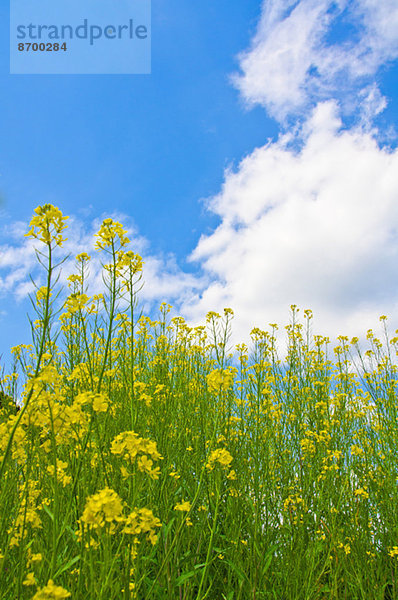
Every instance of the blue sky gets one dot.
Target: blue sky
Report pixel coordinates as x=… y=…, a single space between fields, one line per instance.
x=256 y=165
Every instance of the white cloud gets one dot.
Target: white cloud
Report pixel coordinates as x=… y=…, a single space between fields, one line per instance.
x=311 y=219
x=16 y=262
x=292 y=65
x=316 y=227
x=163 y=278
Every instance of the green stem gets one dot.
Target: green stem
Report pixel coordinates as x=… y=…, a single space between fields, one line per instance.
x=46 y=321
x=210 y=547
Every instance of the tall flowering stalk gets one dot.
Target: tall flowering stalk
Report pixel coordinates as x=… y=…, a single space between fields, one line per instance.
x=111 y=238
x=46 y=226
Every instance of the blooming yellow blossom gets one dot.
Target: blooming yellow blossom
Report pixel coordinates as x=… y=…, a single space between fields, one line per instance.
x=83 y=257
x=361 y=492
x=141 y=521
x=130 y=446
x=51 y=592
x=183 y=506
x=47 y=225
x=220 y=379
x=101 y=508
x=29 y=579
x=109 y=231
x=356 y=450
x=221 y=456
x=100 y=403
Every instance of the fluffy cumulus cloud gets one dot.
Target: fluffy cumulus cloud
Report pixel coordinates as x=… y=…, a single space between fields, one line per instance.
x=311 y=50
x=312 y=218
x=316 y=227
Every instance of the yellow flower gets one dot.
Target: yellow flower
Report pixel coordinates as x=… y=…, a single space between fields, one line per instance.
x=103 y=507
x=47 y=224
x=51 y=592
x=30 y=579
x=346 y=547
x=356 y=450
x=34 y=557
x=130 y=261
x=100 y=403
x=394 y=552
x=109 y=231
x=128 y=444
x=220 y=379
x=145 y=465
x=184 y=506
x=142 y=521
x=41 y=295
x=221 y=456
x=61 y=475
x=361 y=492
x=124 y=472
x=76 y=302
x=83 y=257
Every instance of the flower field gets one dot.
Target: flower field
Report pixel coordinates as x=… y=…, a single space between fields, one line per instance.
x=149 y=460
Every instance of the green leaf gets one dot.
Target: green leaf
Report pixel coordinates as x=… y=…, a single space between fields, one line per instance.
x=68 y=565
x=46 y=510
x=184 y=577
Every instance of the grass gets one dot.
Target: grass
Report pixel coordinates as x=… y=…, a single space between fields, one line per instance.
x=147 y=461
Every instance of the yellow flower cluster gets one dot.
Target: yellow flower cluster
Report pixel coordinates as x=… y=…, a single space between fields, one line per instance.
x=47 y=225
x=393 y=552
x=76 y=302
x=105 y=509
x=50 y=412
x=108 y=233
x=142 y=521
x=41 y=295
x=83 y=257
x=362 y=493
x=130 y=445
x=101 y=508
x=220 y=456
x=357 y=451
x=51 y=592
x=62 y=477
x=220 y=379
x=130 y=261
x=346 y=547
x=98 y=401
x=295 y=505
x=29 y=579
x=27 y=517
x=183 y=506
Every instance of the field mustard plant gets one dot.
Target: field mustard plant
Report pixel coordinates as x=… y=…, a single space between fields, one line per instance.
x=144 y=458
